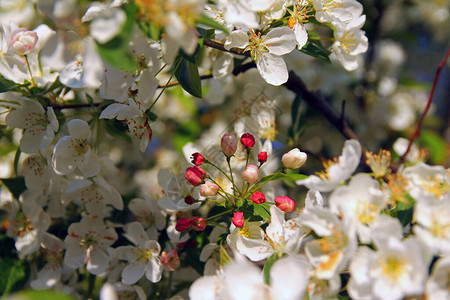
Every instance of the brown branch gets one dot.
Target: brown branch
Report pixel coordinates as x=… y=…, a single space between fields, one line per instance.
x=316 y=100
x=422 y=118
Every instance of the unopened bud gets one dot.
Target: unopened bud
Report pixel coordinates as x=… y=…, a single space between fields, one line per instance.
x=195 y=175
x=229 y=144
x=197 y=159
x=199 y=224
x=262 y=157
x=189 y=200
x=258 y=198
x=23 y=41
x=183 y=224
x=209 y=188
x=285 y=203
x=250 y=174
x=294 y=159
x=248 y=141
x=238 y=219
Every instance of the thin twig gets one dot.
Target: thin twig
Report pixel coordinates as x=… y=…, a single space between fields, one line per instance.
x=316 y=100
x=422 y=118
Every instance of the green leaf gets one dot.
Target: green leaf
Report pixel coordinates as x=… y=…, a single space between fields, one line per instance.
x=116 y=52
x=316 y=49
x=6 y=85
x=15 y=185
x=436 y=145
x=13 y=274
x=117 y=129
x=405 y=216
x=40 y=295
x=262 y=210
x=268 y=266
x=187 y=75
x=207 y=21
x=283 y=176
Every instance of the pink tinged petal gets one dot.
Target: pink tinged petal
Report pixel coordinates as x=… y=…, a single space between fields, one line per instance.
x=289 y=278
x=272 y=68
x=280 y=40
x=132 y=273
x=97 y=261
x=153 y=270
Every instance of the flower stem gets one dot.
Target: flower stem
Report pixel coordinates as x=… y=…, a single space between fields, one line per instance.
x=29 y=70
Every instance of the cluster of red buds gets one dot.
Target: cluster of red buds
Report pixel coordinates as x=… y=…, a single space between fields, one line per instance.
x=229 y=143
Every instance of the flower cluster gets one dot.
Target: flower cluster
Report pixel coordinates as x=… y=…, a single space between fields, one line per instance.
x=158 y=149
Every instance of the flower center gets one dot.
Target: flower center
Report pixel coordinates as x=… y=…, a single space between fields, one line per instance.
x=257 y=45
x=22 y=226
x=144 y=255
x=366 y=212
x=327 y=163
x=379 y=163
x=393 y=267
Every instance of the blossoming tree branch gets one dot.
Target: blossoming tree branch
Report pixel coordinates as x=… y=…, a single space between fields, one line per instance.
x=173 y=149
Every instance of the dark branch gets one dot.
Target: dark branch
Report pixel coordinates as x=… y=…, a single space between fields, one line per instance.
x=422 y=118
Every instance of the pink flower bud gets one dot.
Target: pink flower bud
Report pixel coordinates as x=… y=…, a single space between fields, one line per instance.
x=258 y=198
x=23 y=40
x=294 y=159
x=195 y=175
x=285 y=203
x=238 y=219
x=248 y=141
x=209 y=188
x=199 y=224
x=262 y=157
x=250 y=174
x=189 y=200
x=170 y=260
x=183 y=224
x=229 y=144
x=197 y=159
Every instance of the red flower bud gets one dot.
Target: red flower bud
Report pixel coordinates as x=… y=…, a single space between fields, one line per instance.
x=197 y=159
x=195 y=175
x=262 y=157
x=183 y=224
x=189 y=200
x=248 y=141
x=285 y=203
x=228 y=144
x=238 y=219
x=199 y=224
x=258 y=198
